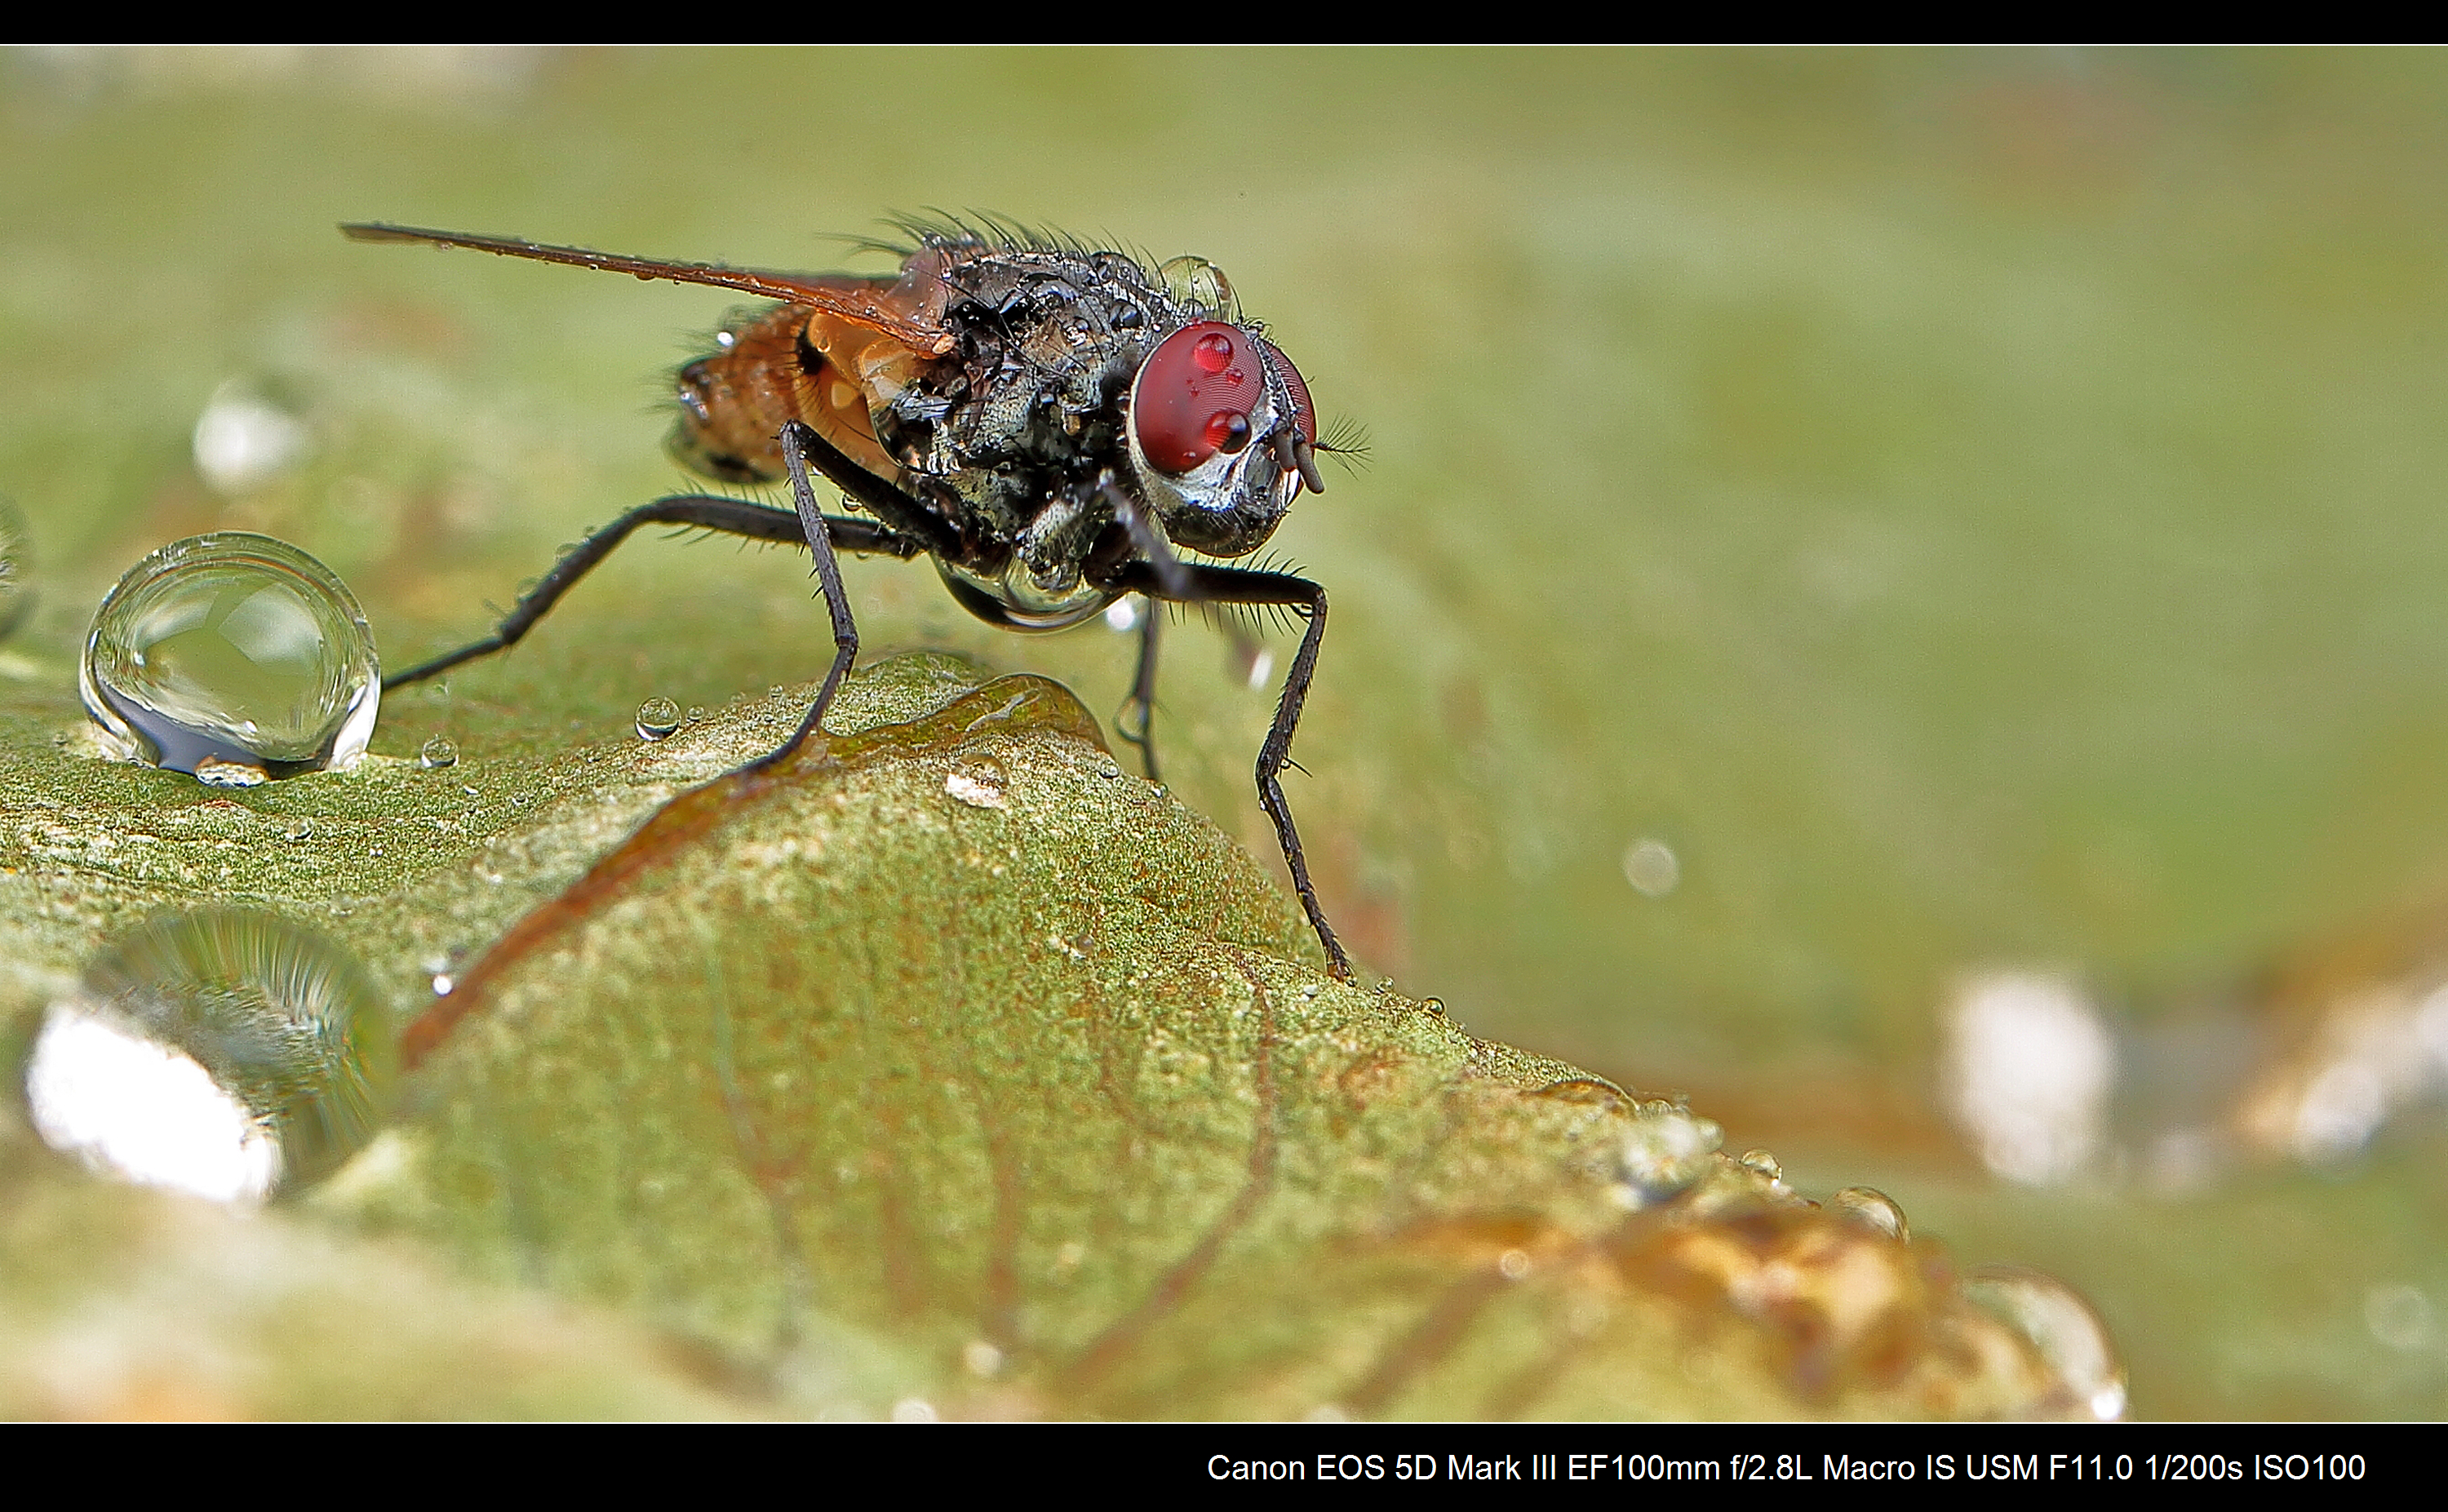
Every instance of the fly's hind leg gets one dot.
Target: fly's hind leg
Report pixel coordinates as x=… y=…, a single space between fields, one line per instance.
x=1204 y=585
x=754 y=522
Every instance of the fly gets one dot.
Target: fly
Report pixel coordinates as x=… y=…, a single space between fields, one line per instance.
x=1052 y=424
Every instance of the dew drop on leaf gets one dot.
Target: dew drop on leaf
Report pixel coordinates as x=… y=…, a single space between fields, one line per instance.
x=225 y=1052
x=658 y=719
x=2061 y=1325
x=236 y=657
x=1868 y=1205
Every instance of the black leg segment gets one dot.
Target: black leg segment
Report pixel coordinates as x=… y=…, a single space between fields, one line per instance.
x=1136 y=722
x=798 y=439
x=755 y=522
x=1240 y=585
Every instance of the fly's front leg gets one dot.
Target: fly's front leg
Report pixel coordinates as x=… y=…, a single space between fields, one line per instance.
x=1239 y=585
x=754 y=522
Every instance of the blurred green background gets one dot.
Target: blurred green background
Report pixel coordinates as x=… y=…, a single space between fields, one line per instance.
x=1975 y=509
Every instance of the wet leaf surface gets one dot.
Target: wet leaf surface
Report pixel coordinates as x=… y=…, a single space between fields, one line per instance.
x=945 y=1064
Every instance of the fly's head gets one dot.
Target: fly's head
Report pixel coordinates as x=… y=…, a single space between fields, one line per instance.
x=1221 y=436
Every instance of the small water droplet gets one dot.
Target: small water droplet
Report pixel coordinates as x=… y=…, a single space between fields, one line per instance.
x=1764 y=1162
x=234 y=649
x=437 y=752
x=1108 y=768
x=1197 y=284
x=1652 y=868
x=1435 y=1006
x=658 y=719
x=2400 y=1316
x=2061 y=1325
x=1666 y=1150
x=696 y=712
x=223 y=1052
x=1385 y=985
x=242 y=442
x=1868 y=1205
x=978 y=783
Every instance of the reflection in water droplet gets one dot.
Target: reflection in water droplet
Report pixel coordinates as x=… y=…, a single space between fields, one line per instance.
x=1666 y=1150
x=978 y=783
x=1868 y=1204
x=1652 y=868
x=657 y=718
x=2062 y=1328
x=214 y=773
x=1764 y=1162
x=16 y=595
x=437 y=752
x=144 y=1111
x=220 y=1052
x=233 y=650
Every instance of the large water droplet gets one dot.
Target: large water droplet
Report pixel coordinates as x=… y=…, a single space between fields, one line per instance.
x=221 y=1052
x=439 y=752
x=2063 y=1328
x=16 y=593
x=658 y=719
x=234 y=656
x=1764 y=1162
x=1871 y=1206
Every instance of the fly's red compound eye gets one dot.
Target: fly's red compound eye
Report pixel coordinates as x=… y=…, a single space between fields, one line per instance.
x=1195 y=393
x=1304 y=413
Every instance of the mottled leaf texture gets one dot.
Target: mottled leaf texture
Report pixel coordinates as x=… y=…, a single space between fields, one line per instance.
x=952 y=1065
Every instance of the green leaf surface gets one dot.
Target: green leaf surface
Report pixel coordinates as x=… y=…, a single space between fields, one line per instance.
x=948 y=1067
